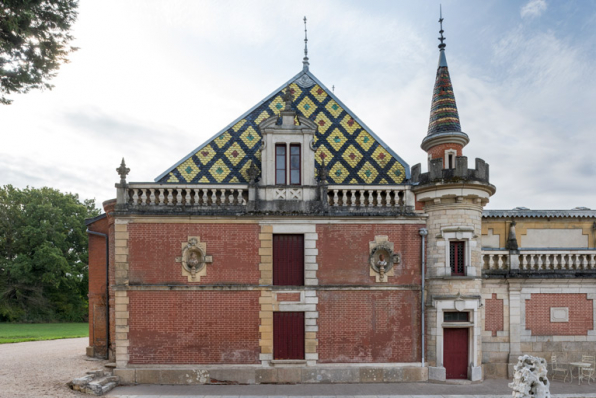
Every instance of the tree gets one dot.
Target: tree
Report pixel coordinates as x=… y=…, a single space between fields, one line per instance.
x=43 y=255
x=34 y=42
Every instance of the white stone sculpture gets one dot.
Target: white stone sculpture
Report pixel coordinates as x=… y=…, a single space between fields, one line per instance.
x=530 y=378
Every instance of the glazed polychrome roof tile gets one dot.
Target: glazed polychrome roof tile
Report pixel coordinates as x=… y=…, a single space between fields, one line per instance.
x=352 y=153
x=443 y=113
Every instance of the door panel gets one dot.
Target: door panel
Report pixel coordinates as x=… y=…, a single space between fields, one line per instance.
x=288 y=335
x=288 y=260
x=455 y=352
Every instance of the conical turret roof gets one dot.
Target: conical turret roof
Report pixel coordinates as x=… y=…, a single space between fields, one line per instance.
x=444 y=117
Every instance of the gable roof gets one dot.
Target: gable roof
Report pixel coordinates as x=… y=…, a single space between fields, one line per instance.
x=353 y=153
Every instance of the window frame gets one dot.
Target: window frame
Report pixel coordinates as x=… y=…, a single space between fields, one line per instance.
x=299 y=169
x=284 y=164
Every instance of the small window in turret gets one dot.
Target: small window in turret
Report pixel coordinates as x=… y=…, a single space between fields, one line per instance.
x=457 y=257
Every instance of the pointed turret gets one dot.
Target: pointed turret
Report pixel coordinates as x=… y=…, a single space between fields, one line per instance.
x=444 y=128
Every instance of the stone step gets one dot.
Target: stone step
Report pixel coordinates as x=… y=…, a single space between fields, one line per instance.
x=95 y=382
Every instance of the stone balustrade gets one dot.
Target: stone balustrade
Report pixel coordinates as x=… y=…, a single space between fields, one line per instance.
x=186 y=195
x=541 y=260
x=366 y=196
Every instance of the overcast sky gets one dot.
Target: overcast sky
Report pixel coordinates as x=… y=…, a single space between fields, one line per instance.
x=155 y=79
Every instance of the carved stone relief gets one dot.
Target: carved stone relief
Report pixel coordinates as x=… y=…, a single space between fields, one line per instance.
x=194 y=259
x=382 y=258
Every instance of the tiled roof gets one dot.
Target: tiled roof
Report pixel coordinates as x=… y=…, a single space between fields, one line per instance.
x=527 y=213
x=351 y=151
x=444 y=117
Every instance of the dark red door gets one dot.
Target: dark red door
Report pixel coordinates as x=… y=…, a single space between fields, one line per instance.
x=288 y=335
x=288 y=260
x=455 y=352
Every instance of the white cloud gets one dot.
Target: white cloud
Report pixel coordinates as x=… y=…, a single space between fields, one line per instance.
x=534 y=8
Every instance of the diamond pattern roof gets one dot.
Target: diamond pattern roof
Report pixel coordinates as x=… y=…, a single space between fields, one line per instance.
x=351 y=151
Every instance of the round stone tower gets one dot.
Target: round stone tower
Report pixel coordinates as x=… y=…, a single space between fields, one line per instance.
x=453 y=197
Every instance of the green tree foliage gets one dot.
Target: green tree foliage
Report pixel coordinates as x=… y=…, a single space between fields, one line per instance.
x=43 y=255
x=34 y=41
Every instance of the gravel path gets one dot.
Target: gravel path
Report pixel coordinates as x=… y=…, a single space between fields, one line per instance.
x=42 y=368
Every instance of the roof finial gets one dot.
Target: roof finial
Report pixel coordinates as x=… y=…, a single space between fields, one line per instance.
x=442 y=45
x=305 y=59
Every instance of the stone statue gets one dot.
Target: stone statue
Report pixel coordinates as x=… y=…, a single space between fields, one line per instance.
x=512 y=239
x=530 y=378
x=382 y=263
x=193 y=262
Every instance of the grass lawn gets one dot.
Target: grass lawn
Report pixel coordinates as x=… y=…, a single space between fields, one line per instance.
x=17 y=332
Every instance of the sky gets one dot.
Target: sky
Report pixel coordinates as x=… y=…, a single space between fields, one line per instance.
x=153 y=80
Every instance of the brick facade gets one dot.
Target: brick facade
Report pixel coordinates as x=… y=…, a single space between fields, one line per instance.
x=154 y=248
x=369 y=326
x=493 y=315
x=344 y=250
x=438 y=151
x=194 y=327
x=538 y=314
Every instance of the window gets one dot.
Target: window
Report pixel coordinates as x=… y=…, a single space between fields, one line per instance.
x=295 y=164
x=280 y=164
x=455 y=317
x=457 y=257
x=288 y=335
x=288 y=260
x=450 y=155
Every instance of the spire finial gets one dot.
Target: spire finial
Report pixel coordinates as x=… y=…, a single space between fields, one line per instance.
x=305 y=59
x=442 y=39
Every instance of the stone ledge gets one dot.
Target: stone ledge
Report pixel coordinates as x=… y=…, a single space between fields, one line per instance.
x=260 y=375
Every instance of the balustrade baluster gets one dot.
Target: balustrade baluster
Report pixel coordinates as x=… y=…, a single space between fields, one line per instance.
x=344 y=197
x=213 y=197
x=222 y=197
x=353 y=198
x=563 y=262
x=152 y=196
x=539 y=261
x=584 y=262
x=362 y=198
x=187 y=197
x=379 y=200
x=135 y=196
x=555 y=262
x=205 y=197
x=524 y=261
x=162 y=198
x=335 y=198
x=170 y=196
x=371 y=199
x=547 y=261
x=197 y=198
x=491 y=261
x=144 y=197
x=179 y=196
x=241 y=200
x=231 y=197
x=592 y=261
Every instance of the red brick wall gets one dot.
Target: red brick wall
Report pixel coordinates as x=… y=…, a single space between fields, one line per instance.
x=97 y=286
x=581 y=314
x=194 y=327
x=344 y=250
x=369 y=326
x=288 y=296
x=153 y=249
x=439 y=151
x=493 y=315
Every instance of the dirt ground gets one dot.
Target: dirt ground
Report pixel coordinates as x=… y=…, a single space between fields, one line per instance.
x=42 y=368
